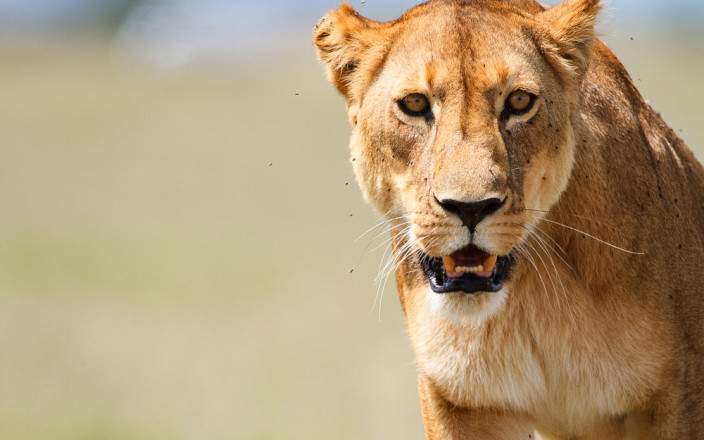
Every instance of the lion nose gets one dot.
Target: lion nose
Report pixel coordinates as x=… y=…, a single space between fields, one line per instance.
x=472 y=213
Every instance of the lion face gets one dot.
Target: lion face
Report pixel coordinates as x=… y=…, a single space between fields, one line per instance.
x=462 y=118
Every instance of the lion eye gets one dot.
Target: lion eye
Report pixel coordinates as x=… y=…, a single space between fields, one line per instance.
x=520 y=102
x=415 y=104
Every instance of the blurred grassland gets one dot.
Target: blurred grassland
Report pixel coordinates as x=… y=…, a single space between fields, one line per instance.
x=176 y=249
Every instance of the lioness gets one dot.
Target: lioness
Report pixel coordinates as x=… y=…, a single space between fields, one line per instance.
x=548 y=223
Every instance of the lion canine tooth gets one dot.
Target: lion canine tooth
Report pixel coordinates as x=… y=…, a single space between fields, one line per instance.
x=489 y=264
x=449 y=263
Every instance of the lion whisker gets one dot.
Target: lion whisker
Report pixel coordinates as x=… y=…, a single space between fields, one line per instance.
x=392 y=236
x=597 y=239
x=526 y=253
x=582 y=217
x=390 y=266
x=565 y=295
x=542 y=261
x=381 y=223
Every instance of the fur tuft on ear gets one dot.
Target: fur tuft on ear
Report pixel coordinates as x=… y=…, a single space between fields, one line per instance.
x=570 y=29
x=344 y=39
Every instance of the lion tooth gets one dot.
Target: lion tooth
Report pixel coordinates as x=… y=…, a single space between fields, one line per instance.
x=450 y=264
x=489 y=263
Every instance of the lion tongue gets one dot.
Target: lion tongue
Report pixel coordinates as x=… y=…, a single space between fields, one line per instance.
x=469 y=260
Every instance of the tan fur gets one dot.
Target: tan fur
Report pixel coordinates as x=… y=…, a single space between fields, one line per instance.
x=586 y=341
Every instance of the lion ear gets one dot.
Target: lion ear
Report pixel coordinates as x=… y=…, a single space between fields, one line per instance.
x=570 y=28
x=344 y=40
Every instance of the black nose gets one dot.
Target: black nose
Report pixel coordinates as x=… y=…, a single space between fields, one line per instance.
x=471 y=213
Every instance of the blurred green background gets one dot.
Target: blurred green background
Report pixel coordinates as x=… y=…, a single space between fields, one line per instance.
x=178 y=253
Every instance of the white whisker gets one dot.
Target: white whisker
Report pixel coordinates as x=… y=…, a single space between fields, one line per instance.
x=383 y=222
x=524 y=252
x=611 y=245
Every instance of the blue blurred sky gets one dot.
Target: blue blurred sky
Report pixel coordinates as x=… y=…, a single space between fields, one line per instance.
x=42 y=13
x=177 y=32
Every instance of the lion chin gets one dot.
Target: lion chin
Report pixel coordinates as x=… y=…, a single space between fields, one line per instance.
x=465 y=310
x=546 y=221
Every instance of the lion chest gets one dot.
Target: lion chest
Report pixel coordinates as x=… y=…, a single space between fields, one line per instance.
x=473 y=370
x=512 y=370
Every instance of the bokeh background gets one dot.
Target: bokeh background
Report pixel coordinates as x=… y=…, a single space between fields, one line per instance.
x=178 y=221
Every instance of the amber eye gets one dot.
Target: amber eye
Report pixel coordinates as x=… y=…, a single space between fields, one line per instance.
x=520 y=102
x=415 y=104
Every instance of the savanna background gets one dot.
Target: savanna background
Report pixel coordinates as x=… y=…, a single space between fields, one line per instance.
x=178 y=221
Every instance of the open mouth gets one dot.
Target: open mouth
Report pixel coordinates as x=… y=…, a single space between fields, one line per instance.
x=469 y=270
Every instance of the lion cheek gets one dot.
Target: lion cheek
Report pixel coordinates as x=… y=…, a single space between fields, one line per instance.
x=548 y=174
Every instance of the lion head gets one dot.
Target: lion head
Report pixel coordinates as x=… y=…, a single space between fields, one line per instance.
x=462 y=116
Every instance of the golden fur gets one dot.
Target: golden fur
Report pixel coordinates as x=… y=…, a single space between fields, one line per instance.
x=599 y=332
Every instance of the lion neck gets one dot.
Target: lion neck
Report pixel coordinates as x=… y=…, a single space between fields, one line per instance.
x=616 y=194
